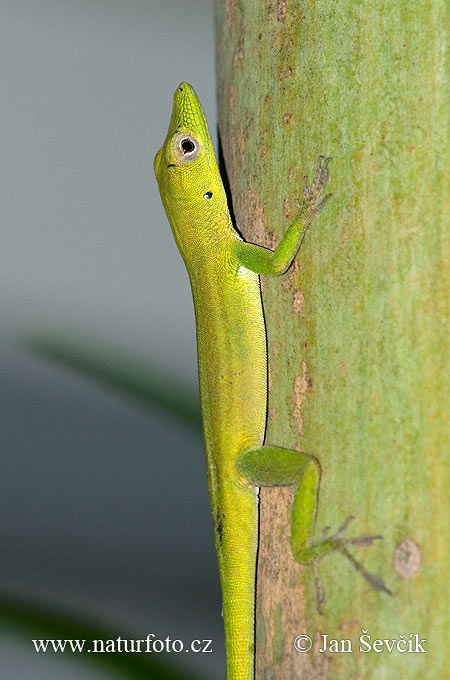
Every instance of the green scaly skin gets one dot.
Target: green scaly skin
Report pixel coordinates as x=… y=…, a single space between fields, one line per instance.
x=232 y=364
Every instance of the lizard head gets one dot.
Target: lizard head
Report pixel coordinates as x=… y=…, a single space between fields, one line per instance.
x=188 y=140
x=188 y=176
x=185 y=166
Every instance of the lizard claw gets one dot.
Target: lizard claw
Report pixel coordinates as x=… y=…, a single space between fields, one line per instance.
x=376 y=582
x=319 y=587
x=344 y=527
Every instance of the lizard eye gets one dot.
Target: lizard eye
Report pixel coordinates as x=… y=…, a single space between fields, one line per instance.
x=208 y=194
x=187 y=146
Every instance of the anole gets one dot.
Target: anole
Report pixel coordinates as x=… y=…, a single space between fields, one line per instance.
x=232 y=365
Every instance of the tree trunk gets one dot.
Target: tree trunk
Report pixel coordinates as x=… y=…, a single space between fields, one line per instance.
x=359 y=328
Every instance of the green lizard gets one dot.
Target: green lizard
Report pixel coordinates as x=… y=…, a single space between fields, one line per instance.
x=232 y=364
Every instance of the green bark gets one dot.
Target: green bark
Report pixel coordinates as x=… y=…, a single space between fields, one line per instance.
x=359 y=328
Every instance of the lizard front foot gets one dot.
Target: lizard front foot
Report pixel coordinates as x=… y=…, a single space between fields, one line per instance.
x=310 y=205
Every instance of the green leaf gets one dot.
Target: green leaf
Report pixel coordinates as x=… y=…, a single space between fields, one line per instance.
x=40 y=621
x=135 y=378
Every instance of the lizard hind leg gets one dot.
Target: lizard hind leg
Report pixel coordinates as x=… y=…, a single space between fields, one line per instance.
x=275 y=466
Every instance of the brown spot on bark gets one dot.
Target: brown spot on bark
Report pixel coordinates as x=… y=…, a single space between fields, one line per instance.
x=298 y=301
x=239 y=53
x=290 y=43
x=288 y=280
x=267 y=99
x=302 y=385
x=250 y=216
x=230 y=14
x=269 y=378
x=289 y=71
x=344 y=235
x=273 y=413
x=281 y=10
x=281 y=605
x=291 y=173
x=287 y=207
x=407 y=558
x=342 y=370
x=280 y=75
x=286 y=119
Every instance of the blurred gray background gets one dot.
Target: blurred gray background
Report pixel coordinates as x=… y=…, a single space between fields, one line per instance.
x=104 y=506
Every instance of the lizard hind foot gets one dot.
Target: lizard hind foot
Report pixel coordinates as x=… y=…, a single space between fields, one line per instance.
x=340 y=545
